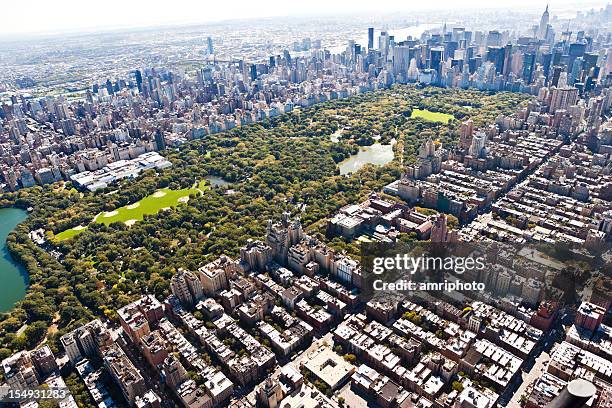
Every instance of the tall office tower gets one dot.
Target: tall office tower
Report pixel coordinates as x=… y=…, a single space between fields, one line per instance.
x=210 y=46
x=450 y=48
x=542 y=29
x=495 y=54
x=507 y=59
x=555 y=75
x=401 y=59
x=562 y=83
x=370 y=38
x=383 y=45
x=494 y=38
x=589 y=62
x=159 y=140
x=563 y=98
x=253 y=72
x=458 y=33
x=436 y=57
x=528 y=67
x=350 y=51
x=413 y=71
x=138 y=75
x=545 y=60
x=477 y=147
x=575 y=50
x=575 y=75
x=467 y=36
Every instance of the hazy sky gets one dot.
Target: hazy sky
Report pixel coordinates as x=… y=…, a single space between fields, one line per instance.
x=43 y=16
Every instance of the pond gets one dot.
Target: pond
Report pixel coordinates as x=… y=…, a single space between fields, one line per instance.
x=217 y=181
x=13 y=275
x=377 y=154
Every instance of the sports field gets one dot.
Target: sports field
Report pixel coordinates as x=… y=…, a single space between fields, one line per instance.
x=431 y=116
x=132 y=213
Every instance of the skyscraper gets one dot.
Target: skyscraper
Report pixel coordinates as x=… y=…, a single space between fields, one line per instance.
x=370 y=38
x=159 y=140
x=436 y=56
x=496 y=55
x=543 y=24
x=210 y=46
x=528 y=67
x=562 y=98
x=138 y=76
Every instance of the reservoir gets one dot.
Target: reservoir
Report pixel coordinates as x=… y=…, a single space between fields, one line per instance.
x=13 y=277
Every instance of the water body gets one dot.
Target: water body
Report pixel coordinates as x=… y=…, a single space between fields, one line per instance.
x=216 y=181
x=377 y=154
x=13 y=277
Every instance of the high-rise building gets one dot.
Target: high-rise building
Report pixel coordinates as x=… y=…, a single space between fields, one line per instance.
x=466 y=133
x=370 y=38
x=436 y=57
x=213 y=276
x=528 y=67
x=496 y=55
x=138 y=76
x=159 y=140
x=186 y=286
x=494 y=38
x=209 y=46
x=575 y=50
x=543 y=27
x=562 y=98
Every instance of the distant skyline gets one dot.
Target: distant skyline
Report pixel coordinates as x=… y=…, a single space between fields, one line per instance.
x=56 y=17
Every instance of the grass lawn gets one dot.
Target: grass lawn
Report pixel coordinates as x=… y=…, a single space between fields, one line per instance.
x=129 y=214
x=69 y=233
x=431 y=116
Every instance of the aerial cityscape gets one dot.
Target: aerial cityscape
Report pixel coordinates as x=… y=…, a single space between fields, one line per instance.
x=344 y=206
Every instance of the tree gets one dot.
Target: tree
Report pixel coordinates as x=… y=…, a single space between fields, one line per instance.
x=351 y=358
x=457 y=386
x=34 y=333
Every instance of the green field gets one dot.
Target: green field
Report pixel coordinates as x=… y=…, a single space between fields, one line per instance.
x=69 y=233
x=431 y=116
x=129 y=214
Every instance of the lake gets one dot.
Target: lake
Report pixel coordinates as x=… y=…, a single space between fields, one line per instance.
x=13 y=276
x=377 y=154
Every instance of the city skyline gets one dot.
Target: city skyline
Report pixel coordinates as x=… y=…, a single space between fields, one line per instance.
x=384 y=210
x=69 y=18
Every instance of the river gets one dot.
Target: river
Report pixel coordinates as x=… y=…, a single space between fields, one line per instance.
x=13 y=277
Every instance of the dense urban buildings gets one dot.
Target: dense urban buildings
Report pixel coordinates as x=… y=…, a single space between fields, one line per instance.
x=288 y=320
